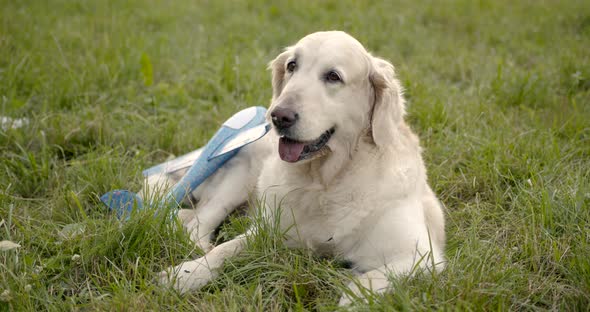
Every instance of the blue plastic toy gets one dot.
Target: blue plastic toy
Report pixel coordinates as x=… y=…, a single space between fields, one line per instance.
x=241 y=129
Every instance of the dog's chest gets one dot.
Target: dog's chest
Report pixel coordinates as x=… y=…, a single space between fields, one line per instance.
x=312 y=218
x=311 y=215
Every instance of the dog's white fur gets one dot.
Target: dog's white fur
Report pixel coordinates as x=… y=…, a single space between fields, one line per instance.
x=365 y=200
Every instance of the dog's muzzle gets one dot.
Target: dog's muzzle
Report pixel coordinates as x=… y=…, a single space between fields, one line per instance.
x=292 y=150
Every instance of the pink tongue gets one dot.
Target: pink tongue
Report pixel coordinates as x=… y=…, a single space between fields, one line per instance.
x=290 y=151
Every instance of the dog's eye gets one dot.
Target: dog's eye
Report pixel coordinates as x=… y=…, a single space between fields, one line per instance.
x=291 y=66
x=333 y=76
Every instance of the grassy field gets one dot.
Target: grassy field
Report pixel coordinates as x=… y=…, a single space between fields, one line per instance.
x=499 y=92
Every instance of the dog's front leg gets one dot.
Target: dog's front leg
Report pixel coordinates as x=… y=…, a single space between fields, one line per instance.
x=377 y=281
x=192 y=275
x=224 y=191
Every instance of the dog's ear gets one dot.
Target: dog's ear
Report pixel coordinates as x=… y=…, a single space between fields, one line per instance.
x=388 y=108
x=277 y=67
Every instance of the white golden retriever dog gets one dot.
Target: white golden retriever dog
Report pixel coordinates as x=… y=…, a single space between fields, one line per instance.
x=344 y=166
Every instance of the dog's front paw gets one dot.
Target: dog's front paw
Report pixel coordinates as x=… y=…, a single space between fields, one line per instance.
x=200 y=234
x=344 y=301
x=188 y=276
x=366 y=285
x=347 y=297
x=355 y=293
x=204 y=243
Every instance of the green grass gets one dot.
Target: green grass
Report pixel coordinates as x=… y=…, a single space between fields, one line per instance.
x=499 y=92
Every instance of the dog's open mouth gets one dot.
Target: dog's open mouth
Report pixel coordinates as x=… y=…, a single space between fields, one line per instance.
x=293 y=151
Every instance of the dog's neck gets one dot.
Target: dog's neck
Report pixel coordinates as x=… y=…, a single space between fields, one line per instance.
x=322 y=170
x=327 y=169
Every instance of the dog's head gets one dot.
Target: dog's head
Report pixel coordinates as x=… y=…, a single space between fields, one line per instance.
x=328 y=93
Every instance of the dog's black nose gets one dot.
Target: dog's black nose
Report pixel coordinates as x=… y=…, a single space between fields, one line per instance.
x=283 y=118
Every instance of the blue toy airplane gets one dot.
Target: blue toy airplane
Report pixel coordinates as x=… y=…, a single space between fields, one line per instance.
x=241 y=129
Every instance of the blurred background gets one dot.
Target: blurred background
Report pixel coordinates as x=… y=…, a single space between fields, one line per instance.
x=92 y=92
